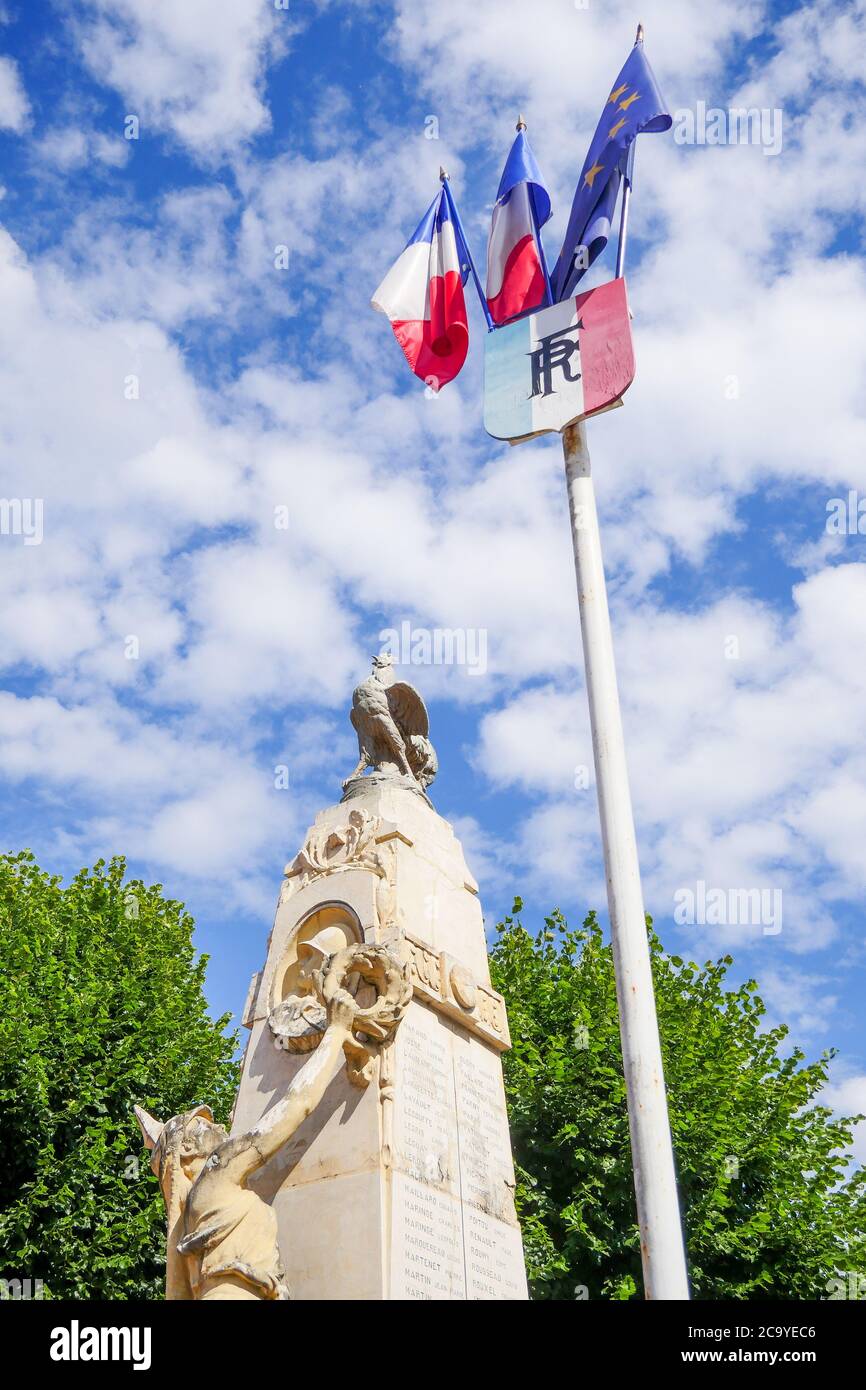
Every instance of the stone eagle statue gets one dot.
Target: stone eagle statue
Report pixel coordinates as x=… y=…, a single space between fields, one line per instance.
x=391 y=722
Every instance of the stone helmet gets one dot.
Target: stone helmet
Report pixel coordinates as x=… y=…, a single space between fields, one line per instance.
x=327 y=942
x=192 y=1134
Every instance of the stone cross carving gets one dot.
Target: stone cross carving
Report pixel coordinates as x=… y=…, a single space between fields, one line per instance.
x=391 y=722
x=222 y=1237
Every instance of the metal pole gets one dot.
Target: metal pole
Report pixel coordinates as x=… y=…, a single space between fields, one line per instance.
x=459 y=225
x=623 y=216
x=539 y=245
x=536 y=232
x=662 y=1252
x=626 y=191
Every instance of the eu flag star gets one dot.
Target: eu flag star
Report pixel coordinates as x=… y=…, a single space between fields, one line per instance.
x=615 y=128
x=589 y=177
x=614 y=96
x=624 y=105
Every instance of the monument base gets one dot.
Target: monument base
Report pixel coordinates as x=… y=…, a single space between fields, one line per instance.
x=402 y=1190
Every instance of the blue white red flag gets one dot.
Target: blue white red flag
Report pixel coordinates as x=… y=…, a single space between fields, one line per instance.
x=515 y=278
x=634 y=107
x=422 y=295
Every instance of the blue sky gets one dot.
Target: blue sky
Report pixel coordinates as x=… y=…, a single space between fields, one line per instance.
x=166 y=387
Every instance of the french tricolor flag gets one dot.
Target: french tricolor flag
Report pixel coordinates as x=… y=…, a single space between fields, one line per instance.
x=515 y=277
x=422 y=295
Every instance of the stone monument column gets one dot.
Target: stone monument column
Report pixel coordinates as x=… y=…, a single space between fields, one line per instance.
x=401 y=1188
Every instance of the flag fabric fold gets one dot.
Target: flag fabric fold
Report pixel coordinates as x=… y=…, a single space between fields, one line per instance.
x=422 y=295
x=515 y=278
x=635 y=107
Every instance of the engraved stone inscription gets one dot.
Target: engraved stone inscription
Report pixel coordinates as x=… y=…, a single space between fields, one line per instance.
x=427 y=1260
x=493 y=1255
x=486 y=1171
x=425 y=1122
x=454 y=1233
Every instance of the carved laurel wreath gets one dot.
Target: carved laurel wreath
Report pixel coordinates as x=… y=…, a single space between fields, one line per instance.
x=388 y=975
x=391 y=980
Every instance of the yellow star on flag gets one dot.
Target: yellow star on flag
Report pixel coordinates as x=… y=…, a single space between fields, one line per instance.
x=618 y=93
x=624 y=105
x=613 y=130
x=589 y=177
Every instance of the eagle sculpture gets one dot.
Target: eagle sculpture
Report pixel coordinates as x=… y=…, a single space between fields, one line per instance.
x=391 y=722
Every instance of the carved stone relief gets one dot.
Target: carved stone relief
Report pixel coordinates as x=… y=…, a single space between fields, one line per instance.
x=449 y=987
x=222 y=1237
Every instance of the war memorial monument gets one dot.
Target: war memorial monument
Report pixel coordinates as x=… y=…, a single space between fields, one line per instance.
x=368 y=1155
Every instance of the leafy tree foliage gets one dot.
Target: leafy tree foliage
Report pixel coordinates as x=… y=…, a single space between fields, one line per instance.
x=101 y=1005
x=772 y=1209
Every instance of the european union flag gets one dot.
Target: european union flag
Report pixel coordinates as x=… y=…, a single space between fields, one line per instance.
x=634 y=106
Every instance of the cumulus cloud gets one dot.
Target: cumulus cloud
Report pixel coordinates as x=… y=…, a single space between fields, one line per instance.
x=169 y=390
x=848 y=1097
x=745 y=732
x=194 y=69
x=14 y=106
x=74 y=145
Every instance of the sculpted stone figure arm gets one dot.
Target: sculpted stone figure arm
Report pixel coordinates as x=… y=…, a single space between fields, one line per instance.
x=222 y=1237
x=239 y=1157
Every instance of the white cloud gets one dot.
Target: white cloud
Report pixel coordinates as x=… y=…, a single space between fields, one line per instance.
x=486 y=61
x=806 y=1002
x=270 y=628
x=75 y=145
x=194 y=69
x=138 y=491
x=176 y=270
x=848 y=1097
x=14 y=106
x=537 y=741
x=746 y=772
x=159 y=510
x=189 y=798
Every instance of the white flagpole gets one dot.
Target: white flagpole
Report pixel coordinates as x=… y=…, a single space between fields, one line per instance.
x=623 y=216
x=662 y=1252
x=445 y=180
x=536 y=232
x=626 y=190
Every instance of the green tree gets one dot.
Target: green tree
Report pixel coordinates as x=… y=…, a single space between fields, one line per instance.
x=772 y=1209
x=101 y=1005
